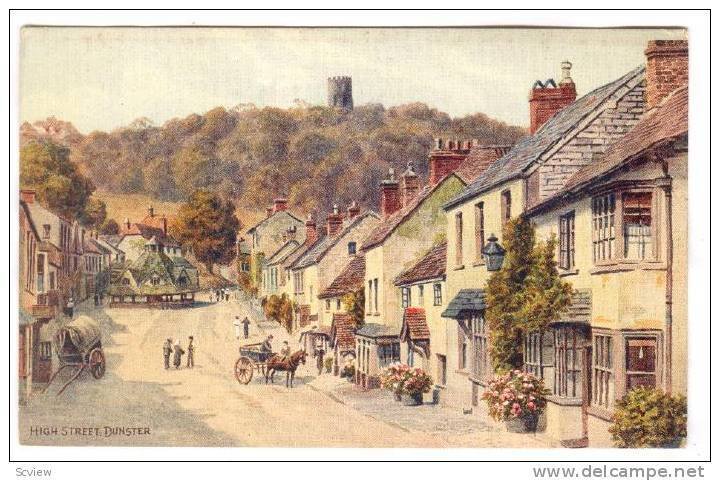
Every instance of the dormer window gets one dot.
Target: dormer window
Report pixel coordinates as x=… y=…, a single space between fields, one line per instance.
x=155 y=281
x=352 y=248
x=46 y=231
x=125 y=281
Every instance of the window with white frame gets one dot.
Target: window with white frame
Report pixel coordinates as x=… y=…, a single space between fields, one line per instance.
x=539 y=355
x=569 y=344
x=637 y=220
x=405 y=297
x=603 y=227
x=437 y=294
x=567 y=241
x=603 y=382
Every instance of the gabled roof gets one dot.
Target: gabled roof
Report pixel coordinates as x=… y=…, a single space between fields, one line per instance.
x=665 y=123
x=393 y=221
x=321 y=248
x=148 y=232
x=374 y=330
x=430 y=266
x=479 y=159
x=414 y=327
x=282 y=253
x=530 y=149
x=266 y=219
x=342 y=332
x=113 y=240
x=350 y=279
x=94 y=247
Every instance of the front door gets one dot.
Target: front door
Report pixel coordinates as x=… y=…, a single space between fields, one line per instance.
x=42 y=358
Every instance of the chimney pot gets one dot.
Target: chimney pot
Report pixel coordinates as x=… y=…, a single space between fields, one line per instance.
x=27 y=196
x=279 y=204
x=546 y=99
x=353 y=210
x=151 y=211
x=310 y=230
x=389 y=194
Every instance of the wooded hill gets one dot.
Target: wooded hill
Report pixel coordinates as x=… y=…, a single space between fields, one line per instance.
x=314 y=155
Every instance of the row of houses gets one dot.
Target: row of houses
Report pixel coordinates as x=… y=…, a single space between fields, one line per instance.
x=604 y=174
x=61 y=261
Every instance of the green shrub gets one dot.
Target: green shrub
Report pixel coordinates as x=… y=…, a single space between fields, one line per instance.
x=649 y=418
x=328 y=364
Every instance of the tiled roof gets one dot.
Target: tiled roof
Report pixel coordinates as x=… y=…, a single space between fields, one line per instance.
x=431 y=266
x=664 y=123
x=580 y=309
x=350 y=279
x=529 y=149
x=251 y=229
x=148 y=232
x=342 y=332
x=415 y=325
x=321 y=248
x=466 y=301
x=373 y=330
x=387 y=226
x=479 y=159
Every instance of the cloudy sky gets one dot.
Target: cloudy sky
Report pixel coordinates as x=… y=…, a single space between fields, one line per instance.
x=104 y=78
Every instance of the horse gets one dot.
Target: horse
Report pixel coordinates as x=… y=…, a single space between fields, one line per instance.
x=276 y=363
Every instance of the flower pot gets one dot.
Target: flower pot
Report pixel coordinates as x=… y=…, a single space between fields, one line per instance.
x=523 y=424
x=397 y=396
x=415 y=399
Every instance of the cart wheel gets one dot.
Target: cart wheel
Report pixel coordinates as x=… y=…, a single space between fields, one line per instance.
x=244 y=369
x=97 y=363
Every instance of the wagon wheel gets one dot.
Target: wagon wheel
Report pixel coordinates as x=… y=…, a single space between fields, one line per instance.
x=97 y=363
x=244 y=368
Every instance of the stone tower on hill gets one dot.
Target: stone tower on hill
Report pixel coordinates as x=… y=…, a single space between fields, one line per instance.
x=340 y=92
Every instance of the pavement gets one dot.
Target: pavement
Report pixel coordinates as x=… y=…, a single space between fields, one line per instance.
x=139 y=403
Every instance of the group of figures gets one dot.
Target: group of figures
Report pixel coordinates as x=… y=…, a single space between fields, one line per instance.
x=177 y=352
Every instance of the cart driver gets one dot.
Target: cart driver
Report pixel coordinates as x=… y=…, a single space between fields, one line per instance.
x=267 y=344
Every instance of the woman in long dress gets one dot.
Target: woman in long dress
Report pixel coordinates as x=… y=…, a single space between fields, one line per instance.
x=179 y=351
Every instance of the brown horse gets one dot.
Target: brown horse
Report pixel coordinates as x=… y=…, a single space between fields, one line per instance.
x=276 y=363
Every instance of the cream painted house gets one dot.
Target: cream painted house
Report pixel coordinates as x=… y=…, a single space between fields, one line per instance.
x=573 y=143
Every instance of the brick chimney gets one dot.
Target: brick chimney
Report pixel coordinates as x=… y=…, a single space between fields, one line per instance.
x=334 y=221
x=279 y=204
x=27 y=196
x=353 y=211
x=666 y=71
x=127 y=223
x=546 y=99
x=410 y=184
x=389 y=194
x=268 y=211
x=164 y=224
x=151 y=211
x=446 y=156
x=311 y=234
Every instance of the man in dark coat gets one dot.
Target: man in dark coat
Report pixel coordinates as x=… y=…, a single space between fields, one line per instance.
x=190 y=353
x=246 y=327
x=167 y=350
x=179 y=351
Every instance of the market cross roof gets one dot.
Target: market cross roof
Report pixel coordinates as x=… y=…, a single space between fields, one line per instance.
x=530 y=149
x=466 y=301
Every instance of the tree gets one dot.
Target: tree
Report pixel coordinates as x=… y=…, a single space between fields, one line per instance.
x=94 y=214
x=110 y=227
x=280 y=309
x=46 y=167
x=354 y=304
x=209 y=226
x=525 y=296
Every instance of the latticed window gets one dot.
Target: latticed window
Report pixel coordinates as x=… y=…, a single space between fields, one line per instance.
x=479 y=229
x=641 y=361
x=637 y=220
x=569 y=344
x=603 y=381
x=567 y=240
x=405 y=297
x=481 y=368
x=437 y=294
x=539 y=355
x=603 y=218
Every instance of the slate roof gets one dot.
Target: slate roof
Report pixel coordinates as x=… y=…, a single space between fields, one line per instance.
x=479 y=159
x=414 y=325
x=466 y=301
x=580 y=309
x=350 y=279
x=374 y=330
x=113 y=240
x=282 y=253
x=529 y=149
x=431 y=266
x=169 y=269
x=318 y=251
x=665 y=123
x=342 y=332
x=387 y=226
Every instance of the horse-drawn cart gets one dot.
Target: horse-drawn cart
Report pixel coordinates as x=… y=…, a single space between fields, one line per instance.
x=252 y=358
x=78 y=344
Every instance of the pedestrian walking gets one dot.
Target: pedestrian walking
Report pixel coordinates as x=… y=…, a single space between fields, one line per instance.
x=179 y=351
x=190 y=353
x=96 y=298
x=167 y=350
x=69 y=307
x=246 y=327
x=227 y=297
x=236 y=325
x=320 y=354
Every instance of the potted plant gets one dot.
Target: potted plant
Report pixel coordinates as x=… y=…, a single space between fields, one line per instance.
x=516 y=398
x=392 y=379
x=328 y=364
x=649 y=418
x=416 y=383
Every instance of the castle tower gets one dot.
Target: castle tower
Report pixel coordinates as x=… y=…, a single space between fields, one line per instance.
x=340 y=92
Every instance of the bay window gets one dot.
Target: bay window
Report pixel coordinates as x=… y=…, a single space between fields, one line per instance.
x=637 y=216
x=481 y=368
x=603 y=227
x=603 y=388
x=620 y=230
x=539 y=355
x=640 y=362
x=569 y=345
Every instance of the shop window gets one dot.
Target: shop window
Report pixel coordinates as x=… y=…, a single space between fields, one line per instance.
x=640 y=362
x=567 y=241
x=637 y=219
x=389 y=353
x=539 y=356
x=603 y=227
x=569 y=344
x=603 y=388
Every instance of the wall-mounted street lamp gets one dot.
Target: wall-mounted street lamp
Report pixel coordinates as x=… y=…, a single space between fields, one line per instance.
x=494 y=254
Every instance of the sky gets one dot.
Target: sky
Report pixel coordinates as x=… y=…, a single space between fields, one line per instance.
x=104 y=78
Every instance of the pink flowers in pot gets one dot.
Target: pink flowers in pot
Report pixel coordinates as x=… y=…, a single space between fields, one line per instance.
x=515 y=394
x=403 y=379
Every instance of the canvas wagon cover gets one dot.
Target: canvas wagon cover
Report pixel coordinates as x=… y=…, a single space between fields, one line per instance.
x=84 y=333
